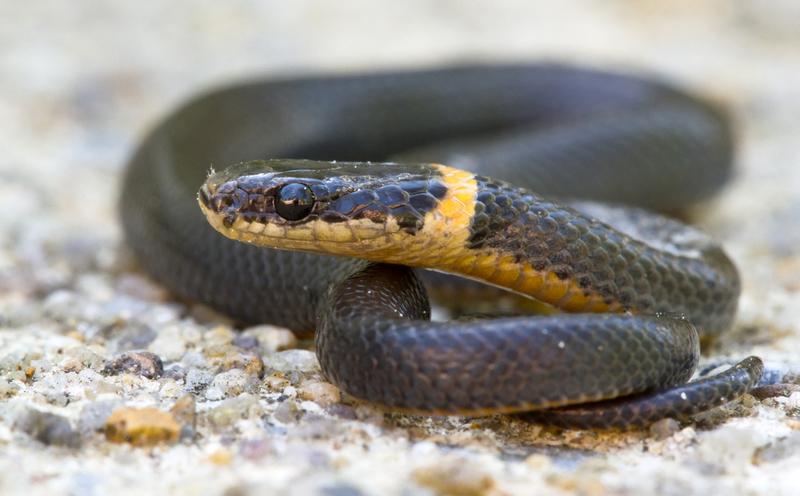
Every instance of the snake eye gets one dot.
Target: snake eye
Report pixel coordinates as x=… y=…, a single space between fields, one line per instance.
x=294 y=201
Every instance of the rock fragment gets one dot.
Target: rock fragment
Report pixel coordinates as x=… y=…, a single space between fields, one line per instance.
x=142 y=427
x=48 y=428
x=142 y=363
x=320 y=392
x=269 y=338
x=233 y=409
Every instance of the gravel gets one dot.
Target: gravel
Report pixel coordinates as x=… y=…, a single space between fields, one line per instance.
x=108 y=385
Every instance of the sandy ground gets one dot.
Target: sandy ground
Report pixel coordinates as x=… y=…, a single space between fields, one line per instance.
x=109 y=386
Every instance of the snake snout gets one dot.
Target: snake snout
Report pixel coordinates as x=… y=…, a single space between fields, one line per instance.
x=226 y=200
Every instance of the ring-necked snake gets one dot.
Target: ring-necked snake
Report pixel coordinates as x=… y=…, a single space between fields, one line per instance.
x=634 y=295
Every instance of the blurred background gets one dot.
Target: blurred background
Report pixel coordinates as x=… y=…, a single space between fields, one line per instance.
x=82 y=81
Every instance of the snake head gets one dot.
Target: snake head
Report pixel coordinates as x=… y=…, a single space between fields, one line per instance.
x=338 y=208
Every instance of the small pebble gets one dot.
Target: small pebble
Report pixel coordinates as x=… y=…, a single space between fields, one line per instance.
x=733 y=446
x=141 y=427
x=85 y=356
x=227 y=357
x=276 y=383
x=217 y=336
x=322 y=393
x=287 y=412
x=93 y=416
x=246 y=342
x=7 y=388
x=170 y=390
x=48 y=428
x=131 y=337
x=195 y=359
x=664 y=428
x=293 y=361
x=221 y=457
x=254 y=366
x=231 y=383
x=197 y=380
x=453 y=477
x=18 y=361
x=271 y=338
x=57 y=389
x=234 y=409
x=778 y=450
x=173 y=341
x=256 y=449
x=175 y=371
x=142 y=363
x=71 y=365
x=96 y=383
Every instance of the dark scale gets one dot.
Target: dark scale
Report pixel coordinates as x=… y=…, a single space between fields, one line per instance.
x=349 y=203
x=437 y=189
x=392 y=195
x=423 y=202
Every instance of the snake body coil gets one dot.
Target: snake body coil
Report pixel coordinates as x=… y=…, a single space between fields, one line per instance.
x=615 y=360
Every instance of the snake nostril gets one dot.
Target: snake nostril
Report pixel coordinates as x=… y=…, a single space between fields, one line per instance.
x=224 y=201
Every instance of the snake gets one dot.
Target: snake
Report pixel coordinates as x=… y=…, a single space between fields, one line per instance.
x=339 y=199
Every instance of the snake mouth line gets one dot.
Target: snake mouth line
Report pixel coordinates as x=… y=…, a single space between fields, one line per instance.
x=316 y=236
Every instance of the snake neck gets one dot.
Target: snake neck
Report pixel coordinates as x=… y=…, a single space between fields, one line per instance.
x=575 y=262
x=516 y=240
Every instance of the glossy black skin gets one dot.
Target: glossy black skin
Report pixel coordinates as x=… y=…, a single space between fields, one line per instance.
x=554 y=129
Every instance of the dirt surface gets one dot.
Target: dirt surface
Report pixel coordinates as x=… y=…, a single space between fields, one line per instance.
x=110 y=386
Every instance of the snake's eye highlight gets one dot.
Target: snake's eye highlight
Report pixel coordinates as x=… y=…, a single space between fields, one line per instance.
x=294 y=201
